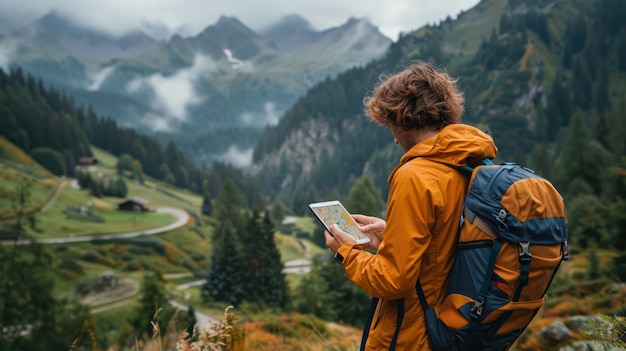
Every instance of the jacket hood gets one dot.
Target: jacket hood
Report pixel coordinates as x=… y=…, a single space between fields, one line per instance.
x=455 y=144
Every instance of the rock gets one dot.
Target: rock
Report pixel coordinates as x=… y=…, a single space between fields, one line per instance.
x=555 y=332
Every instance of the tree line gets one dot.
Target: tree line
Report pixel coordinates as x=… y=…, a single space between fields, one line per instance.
x=46 y=123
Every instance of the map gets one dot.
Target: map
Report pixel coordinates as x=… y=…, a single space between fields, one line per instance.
x=336 y=214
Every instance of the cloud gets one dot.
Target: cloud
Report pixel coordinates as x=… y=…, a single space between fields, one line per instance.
x=236 y=157
x=156 y=123
x=269 y=116
x=189 y=17
x=174 y=94
x=7 y=49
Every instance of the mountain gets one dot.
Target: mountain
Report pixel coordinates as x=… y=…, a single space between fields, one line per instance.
x=228 y=76
x=527 y=69
x=57 y=34
x=291 y=33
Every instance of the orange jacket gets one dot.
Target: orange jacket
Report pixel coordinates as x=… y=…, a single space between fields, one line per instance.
x=423 y=212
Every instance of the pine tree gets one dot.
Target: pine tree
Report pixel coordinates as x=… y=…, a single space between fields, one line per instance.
x=192 y=323
x=349 y=301
x=207 y=207
x=124 y=163
x=255 y=268
x=278 y=211
x=314 y=295
x=276 y=292
x=594 y=264
x=365 y=198
x=229 y=205
x=152 y=299
x=265 y=282
x=225 y=279
x=580 y=158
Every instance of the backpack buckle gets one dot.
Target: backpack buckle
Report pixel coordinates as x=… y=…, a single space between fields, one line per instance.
x=524 y=250
x=565 y=250
x=477 y=309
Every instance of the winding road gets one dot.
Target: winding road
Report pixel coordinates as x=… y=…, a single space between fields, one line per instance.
x=182 y=217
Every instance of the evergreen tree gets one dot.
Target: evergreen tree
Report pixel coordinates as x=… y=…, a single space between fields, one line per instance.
x=229 y=205
x=121 y=190
x=124 y=163
x=594 y=264
x=225 y=279
x=265 y=282
x=349 y=301
x=138 y=171
x=31 y=318
x=601 y=98
x=192 y=324
x=279 y=211
x=541 y=160
x=365 y=198
x=302 y=199
x=580 y=158
x=255 y=268
x=559 y=106
x=151 y=301
x=314 y=295
x=206 y=208
x=582 y=84
x=276 y=292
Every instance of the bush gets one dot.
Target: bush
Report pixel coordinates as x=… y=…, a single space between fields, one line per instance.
x=139 y=250
x=70 y=264
x=91 y=256
x=198 y=256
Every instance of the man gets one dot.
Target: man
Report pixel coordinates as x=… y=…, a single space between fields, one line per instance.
x=422 y=107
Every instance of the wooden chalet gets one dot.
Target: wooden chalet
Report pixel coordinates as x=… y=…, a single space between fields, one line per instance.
x=135 y=204
x=87 y=164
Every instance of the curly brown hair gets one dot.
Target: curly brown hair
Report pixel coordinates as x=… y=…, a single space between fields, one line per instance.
x=417 y=97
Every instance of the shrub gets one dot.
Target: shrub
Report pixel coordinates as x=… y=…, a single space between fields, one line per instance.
x=70 y=264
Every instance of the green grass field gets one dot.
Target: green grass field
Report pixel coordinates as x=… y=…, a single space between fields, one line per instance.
x=182 y=255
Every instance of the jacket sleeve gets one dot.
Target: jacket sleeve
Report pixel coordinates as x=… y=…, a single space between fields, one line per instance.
x=393 y=271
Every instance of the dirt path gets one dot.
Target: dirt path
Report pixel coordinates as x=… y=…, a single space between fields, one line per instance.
x=54 y=195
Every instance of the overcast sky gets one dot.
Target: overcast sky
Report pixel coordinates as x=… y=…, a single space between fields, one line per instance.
x=189 y=17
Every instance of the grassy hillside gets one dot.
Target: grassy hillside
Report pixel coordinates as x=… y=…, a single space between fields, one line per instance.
x=181 y=255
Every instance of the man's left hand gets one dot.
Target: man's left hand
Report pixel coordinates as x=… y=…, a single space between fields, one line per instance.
x=338 y=238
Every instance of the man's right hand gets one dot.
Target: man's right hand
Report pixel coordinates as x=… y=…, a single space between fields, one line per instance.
x=373 y=227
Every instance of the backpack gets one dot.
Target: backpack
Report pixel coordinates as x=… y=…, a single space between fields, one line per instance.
x=512 y=239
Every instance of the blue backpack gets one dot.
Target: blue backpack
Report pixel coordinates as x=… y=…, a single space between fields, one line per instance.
x=512 y=239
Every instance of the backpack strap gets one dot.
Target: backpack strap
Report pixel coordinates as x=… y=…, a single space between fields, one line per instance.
x=476 y=310
x=524 y=258
x=370 y=318
x=399 y=318
x=368 y=323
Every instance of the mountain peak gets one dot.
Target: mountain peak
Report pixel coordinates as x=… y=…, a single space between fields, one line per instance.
x=58 y=32
x=291 y=32
x=229 y=22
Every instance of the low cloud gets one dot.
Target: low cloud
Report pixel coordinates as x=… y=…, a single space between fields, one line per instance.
x=237 y=157
x=268 y=116
x=271 y=115
x=173 y=94
x=157 y=123
x=6 y=52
